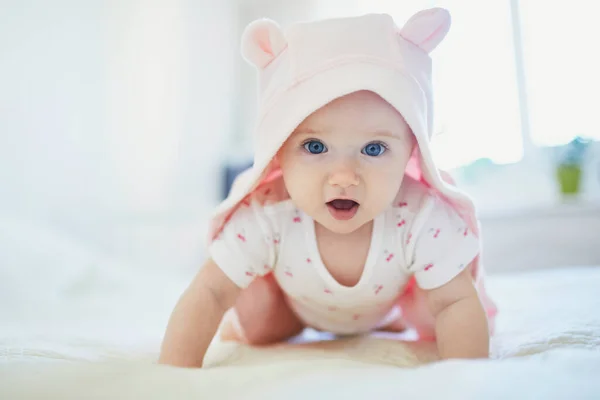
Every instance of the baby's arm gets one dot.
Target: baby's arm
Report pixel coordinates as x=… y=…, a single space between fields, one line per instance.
x=460 y=320
x=196 y=317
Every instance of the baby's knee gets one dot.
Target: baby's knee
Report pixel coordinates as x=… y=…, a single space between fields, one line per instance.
x=262 y=293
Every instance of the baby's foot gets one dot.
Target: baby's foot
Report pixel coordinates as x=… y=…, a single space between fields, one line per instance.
x=231 y=330
x=396 y=326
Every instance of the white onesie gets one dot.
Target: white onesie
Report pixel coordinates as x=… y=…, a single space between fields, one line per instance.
x=420 y=234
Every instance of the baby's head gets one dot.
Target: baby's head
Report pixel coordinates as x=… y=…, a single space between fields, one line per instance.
x=344 y=164
x=336 y=100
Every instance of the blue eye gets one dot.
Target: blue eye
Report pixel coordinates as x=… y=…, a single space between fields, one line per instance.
x=315 y=147
x=374 y=149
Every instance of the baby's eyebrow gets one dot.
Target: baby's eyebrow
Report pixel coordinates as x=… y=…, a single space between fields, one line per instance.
x=385 y=132
x=393 y=135
x=307 y=131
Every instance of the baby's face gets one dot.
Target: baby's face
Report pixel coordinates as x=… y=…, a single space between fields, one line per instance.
x=344 y=164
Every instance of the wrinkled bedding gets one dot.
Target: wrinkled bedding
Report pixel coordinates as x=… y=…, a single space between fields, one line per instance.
x=99 y=338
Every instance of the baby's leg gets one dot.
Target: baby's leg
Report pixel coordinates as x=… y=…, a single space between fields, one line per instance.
x=261 y=315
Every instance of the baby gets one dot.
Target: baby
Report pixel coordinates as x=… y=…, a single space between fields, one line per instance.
x=343 y=224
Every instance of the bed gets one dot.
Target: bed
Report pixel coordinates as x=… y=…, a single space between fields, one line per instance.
x=97 y=336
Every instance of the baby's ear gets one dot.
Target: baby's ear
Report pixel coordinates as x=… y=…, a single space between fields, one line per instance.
x=427 y=28
x=262 y=42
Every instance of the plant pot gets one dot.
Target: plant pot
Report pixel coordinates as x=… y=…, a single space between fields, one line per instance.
x=569 y=178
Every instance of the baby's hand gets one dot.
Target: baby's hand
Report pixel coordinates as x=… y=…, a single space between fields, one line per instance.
x=461 y=324
x=196 y=317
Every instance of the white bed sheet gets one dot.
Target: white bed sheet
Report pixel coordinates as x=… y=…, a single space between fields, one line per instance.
x=99 y=338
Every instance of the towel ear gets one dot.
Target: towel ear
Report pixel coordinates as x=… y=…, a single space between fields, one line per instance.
x=427 y=28
x=262 y=41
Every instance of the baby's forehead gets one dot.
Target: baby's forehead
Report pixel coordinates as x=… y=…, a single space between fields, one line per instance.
x=362 y=110
x=361 y=113
x=362 y=101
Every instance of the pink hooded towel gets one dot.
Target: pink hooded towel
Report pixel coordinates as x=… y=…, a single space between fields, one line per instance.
x=312 y=63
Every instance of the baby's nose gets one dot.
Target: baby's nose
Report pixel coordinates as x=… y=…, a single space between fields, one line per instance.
x=343 y=175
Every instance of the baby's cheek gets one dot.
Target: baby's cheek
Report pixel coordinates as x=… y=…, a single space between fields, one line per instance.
x=302 y=186
x=389 y=177
x=385 y=187
x=304 y=182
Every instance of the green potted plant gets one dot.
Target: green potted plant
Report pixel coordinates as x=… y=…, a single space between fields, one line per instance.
x=570 y=168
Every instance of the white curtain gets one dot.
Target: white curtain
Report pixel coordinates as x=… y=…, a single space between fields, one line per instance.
x=114 y=116
x=562 y=63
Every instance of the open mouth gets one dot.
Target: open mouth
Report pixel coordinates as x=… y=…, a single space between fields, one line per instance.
x=342 y=209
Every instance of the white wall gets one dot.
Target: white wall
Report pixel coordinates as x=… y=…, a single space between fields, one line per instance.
x=541 y=237
x=113 y=117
